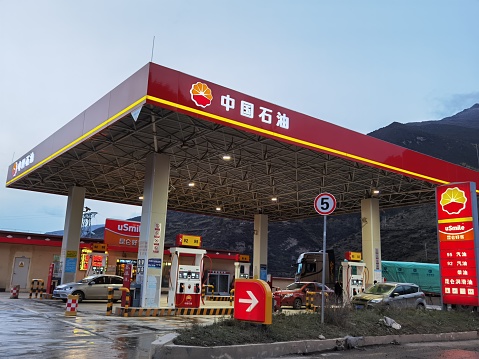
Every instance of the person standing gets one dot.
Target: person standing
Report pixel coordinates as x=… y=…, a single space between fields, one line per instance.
x=338 y=291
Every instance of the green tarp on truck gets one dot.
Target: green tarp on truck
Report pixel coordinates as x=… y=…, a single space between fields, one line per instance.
x=426 y=275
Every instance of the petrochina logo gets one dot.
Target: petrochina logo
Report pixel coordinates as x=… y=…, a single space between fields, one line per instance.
x=24 y=162
x=201 y=94
x=453 y=201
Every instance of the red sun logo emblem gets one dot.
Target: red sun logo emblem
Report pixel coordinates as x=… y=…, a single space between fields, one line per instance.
x=201 y=94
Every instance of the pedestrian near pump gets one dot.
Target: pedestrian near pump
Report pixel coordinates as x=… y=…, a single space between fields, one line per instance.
x=338 y=291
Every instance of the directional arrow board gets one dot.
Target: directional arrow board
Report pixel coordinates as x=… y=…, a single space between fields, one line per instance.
x=253 y=301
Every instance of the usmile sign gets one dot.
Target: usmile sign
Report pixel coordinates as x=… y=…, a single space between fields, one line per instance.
x=456 y=206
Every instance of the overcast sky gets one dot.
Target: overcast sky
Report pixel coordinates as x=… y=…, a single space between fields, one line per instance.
x=357 y=64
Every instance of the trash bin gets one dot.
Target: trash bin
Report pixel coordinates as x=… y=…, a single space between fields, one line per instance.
x=135 y=293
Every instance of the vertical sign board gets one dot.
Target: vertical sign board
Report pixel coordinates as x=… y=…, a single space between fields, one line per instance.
x=456 y=206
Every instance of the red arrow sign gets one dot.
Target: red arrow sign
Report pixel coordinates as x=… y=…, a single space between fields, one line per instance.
x=253 y=301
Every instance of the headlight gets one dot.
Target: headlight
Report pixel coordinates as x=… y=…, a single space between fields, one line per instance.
x=288 y=295
x=376 y=300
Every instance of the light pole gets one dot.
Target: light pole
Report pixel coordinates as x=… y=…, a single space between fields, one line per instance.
x=477 y=153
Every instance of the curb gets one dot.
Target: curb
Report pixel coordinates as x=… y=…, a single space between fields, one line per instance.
x=164 y=348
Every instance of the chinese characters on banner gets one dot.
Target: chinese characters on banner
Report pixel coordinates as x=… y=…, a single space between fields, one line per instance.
x=255 y=112
x=247 y=109
x=456 y=206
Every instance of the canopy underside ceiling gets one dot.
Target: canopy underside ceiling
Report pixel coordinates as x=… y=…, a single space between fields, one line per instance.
x=111 y=166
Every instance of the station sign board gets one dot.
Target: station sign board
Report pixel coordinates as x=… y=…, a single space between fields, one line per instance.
x=456 y=207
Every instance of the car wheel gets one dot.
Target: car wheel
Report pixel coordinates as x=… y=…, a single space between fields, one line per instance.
x=420 y=306
x=465 y=308
x=298 y=303
x=81 y=296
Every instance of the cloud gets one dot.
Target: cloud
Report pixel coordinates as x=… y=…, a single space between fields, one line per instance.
x=455 y=103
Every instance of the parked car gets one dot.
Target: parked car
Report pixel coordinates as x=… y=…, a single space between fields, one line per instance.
x=91 y=287
x=402 y=295
x=295 y=294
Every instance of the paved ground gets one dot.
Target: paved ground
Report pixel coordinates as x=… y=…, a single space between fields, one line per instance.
x=34 y=328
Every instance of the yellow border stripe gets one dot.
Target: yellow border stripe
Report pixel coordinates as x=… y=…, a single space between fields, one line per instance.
x=454 y=220
x=225 y=120
x=292 y=139
x=79 y=139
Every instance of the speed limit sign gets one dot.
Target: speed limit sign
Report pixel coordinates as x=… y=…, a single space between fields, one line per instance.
x=325 y=203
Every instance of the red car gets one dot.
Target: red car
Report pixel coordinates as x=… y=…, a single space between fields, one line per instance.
x=295 y=294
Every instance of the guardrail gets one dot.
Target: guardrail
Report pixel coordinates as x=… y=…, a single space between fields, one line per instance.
x=40 y=283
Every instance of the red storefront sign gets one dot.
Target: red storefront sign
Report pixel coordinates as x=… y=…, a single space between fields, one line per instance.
x=122 y=233
x=456 y=206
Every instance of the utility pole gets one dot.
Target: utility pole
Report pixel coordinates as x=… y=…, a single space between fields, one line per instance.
x=477 y=153
x=86 y=222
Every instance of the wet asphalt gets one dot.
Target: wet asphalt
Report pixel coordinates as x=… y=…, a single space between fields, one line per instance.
x=39 y=329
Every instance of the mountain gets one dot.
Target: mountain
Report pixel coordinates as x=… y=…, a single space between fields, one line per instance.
x=407 y=234
x=453 y=139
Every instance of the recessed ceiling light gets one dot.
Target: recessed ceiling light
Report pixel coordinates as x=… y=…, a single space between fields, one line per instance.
x=218 y=209
x=226 y=157
x=191 y=184
x=141 y=197
x=274 y=199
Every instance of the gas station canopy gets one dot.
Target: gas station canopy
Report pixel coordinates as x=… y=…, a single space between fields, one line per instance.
x=231 y=155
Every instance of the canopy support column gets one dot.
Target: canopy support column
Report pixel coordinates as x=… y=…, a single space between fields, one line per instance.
x=260 y=247
x=72 y=234
x=152 y=229
x=371 y=234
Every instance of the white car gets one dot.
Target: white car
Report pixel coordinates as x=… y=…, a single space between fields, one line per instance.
x=400 y=295
x=93 y=287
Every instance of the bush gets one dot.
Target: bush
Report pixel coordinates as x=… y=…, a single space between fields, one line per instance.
x=338 y=323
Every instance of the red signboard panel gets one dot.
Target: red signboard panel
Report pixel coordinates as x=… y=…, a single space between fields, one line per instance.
x=456 y=206
x=122 y=233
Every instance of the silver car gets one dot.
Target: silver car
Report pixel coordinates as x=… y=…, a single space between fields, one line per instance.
x=402 y=295
x=93 y=287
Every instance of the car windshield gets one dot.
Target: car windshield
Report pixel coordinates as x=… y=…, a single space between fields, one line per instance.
x=380 y=289
x=87 y=279
x=294 y=286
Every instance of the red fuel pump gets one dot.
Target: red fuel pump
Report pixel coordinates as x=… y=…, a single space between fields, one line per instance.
x=188 y=292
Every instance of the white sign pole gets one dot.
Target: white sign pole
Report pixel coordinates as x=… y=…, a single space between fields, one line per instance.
x=324 y=204
x=324 y=270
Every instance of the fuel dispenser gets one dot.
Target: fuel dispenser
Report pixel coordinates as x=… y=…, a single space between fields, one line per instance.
x=353 y=277
x=97 y=259
x=189 y=287
x=242 y=266
x=96 y=263
x=185 y=279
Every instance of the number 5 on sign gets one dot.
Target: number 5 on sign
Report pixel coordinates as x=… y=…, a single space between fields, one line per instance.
x=325 y=204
